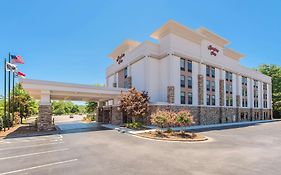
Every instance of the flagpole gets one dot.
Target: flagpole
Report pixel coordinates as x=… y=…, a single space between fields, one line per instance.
x=5 y=93
x=9 y=94
x=13 y=108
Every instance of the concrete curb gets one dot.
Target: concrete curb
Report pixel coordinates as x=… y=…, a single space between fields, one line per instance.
x=191 y=128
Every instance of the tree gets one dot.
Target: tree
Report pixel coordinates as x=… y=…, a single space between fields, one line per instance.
x=75 y=109
x=58 y=107
x=65 y=107
x=24 y=104
x=274 y=72
x=91 y=107
x=134 y=103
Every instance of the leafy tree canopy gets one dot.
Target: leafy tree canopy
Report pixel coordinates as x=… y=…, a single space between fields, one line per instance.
x=274 y=72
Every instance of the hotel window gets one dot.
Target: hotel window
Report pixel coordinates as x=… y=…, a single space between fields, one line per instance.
x=265 y=104
x=182 y=62
x=207 y=71
x=126 y=72
x=182 y=81
x=213 y=72
x=189 y=82
x=189 y=98
x=256 y=96
x=208 y=99
x=244 y=102
x=182 y=97
x=227 y=101
x=189 y=66
x=256 y=103
x=208 y=85
x=244 y=92
x=213 y=86
x=213 y=100
x=244 y=81
x=226 y=88
x=230 y=89
x=226 y=75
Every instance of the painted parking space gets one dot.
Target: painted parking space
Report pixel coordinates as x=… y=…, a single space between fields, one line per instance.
x=34 y=154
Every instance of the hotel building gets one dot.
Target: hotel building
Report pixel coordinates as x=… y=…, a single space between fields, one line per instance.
x=189 y=69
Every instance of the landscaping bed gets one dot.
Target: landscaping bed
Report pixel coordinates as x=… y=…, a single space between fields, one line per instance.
x=25 y=130
x=173 y=136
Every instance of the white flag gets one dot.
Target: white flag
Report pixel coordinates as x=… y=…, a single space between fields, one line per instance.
x=11 y=67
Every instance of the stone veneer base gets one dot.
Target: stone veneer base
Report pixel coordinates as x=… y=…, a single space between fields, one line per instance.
x=202 y=115
x=45 y=122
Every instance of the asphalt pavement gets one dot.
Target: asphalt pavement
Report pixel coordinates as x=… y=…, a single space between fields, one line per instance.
x=245 y=150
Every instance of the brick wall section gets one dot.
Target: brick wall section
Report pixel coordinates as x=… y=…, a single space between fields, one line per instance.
x=45 y=121
x=200 y=90
x=221 y=91
x=171 y=94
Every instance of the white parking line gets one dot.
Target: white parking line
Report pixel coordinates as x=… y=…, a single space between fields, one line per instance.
x=33 y=154
x=30 y=146
x=29 y=140
x=40 y=166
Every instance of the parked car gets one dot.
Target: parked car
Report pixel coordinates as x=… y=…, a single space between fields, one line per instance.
x=71 y=116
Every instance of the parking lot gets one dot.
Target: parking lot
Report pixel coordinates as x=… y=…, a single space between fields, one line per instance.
x=245 y=150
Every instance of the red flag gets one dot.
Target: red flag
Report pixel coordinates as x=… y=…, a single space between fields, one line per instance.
x=17 y=59
x=22 y=75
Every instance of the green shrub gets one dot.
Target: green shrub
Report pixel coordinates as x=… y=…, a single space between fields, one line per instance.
x=184 y=118
x=89 y=117
x=134 y=125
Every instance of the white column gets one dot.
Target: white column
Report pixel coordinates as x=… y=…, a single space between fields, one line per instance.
x=260 y=94
x=45 y=98
x=239 y=88
x=269 y=96
x=217 y=89
x=195 y=72
x=202 y=68
x=224 y=86
x=234 y=88
x=250 y=92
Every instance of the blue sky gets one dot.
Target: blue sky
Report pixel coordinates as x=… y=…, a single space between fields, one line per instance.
x=69 y=40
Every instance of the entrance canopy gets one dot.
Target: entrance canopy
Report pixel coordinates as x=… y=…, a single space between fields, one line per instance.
x=50 y=90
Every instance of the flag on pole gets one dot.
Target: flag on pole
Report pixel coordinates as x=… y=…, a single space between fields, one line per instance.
x=17 y=59
x=22 y=75
x=11 y=67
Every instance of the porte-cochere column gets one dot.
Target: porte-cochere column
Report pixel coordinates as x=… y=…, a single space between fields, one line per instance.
x=44 y=121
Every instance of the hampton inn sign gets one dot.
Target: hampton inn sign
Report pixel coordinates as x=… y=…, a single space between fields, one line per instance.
x=213 y=51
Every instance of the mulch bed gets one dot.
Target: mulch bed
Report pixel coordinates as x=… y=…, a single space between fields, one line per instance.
x=7 y=132
x=23 y=131
x=173 y=136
